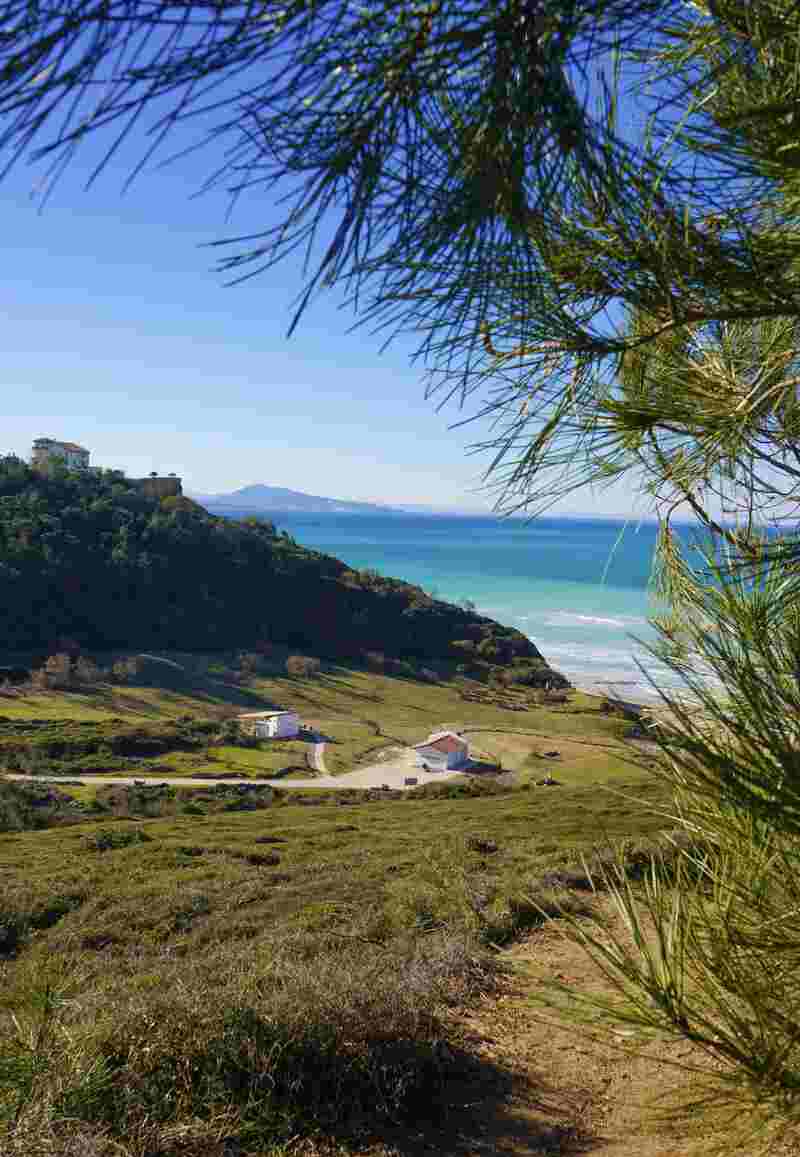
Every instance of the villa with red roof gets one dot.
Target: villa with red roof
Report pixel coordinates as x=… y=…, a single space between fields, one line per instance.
x=442 y=751
x=47 y=451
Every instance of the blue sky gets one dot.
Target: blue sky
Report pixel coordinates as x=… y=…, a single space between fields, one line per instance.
x=117 y=333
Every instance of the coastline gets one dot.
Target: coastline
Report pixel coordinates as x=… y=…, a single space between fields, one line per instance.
x=619 y=689
x=574 y=587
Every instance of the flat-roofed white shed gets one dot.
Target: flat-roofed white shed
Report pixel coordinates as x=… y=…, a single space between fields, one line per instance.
x=270 y=724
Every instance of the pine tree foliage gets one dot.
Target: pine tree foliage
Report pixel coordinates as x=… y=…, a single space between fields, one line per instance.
x=587 y=210
x=462 y=172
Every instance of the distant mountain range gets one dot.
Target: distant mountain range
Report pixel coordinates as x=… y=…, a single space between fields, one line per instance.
x=261 y=499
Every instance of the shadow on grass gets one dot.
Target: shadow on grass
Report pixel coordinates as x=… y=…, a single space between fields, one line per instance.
x=482 y=768
x=485 y=1106
x=313 y=737
x=407 y=1099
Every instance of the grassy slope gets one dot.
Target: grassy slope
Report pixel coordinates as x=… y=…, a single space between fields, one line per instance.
x=348 y=936
x=373 y=919
x=360 y=712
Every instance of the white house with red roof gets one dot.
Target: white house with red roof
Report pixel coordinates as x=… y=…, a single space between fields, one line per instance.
x=442 y=751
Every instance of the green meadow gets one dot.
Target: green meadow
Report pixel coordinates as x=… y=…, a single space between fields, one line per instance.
x=183 y=969
x=358 y=712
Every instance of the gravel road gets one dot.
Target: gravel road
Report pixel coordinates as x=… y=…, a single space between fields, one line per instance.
x=392 y=772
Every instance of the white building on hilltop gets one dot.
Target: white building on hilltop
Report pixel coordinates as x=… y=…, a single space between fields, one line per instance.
x=270 y=724
x=49 y=452
x=442 y=751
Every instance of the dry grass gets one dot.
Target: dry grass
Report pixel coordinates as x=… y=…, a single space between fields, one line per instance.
x=263 y=975
x=285 y=980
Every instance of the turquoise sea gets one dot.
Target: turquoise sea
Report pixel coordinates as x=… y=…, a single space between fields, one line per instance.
x=576 y=586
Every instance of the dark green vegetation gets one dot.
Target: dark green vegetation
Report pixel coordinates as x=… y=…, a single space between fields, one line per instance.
x=69 y=746
x=62 y=746
x=181 y=981
x=86 y=557
x=36 y=805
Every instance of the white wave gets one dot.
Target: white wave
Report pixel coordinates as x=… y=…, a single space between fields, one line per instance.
x=562 y=618
x=592 y=654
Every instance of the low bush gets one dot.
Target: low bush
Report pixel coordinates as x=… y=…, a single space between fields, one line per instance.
x=302 y=666
x=291 y=1046
x=21 y=914
x=107 y=839
x=375 y=661
x=34 y=805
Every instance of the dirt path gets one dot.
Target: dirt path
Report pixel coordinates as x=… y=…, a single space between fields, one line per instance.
x=318 y=758
x=392 y=772
x=541 y=1089
x=571 y=1094
x=557 y=1090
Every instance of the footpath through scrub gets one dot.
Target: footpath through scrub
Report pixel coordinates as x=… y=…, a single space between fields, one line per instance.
x=565 y=1091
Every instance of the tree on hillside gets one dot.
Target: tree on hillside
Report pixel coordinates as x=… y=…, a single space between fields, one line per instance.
x=622 y=300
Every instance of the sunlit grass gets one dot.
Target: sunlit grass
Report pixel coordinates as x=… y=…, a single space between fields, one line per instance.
x=179 y=949
x=359 y=713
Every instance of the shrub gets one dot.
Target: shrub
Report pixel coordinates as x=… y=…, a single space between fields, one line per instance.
x=302 y=666
x=263 y=859
x=481 y=844
x=303 y=1050
x=56 y=673
x=230 y=732
x=86 y=671
x=108 y=839
x=375 y=661
x=126 y=670
x=488 y=650
x=14 y=927
x=249 y=664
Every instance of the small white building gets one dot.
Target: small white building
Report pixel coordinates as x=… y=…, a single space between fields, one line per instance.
x=270 y=724
x=442 y=751
x=49 y=451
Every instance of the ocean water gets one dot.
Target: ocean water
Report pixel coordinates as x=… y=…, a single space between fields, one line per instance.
x=576 y=587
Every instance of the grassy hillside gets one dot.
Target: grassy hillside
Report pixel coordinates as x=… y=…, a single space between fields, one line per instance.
x=201 y=972
x=175 y=723
x=231 y=971
x=253 y=982
x=87 y=561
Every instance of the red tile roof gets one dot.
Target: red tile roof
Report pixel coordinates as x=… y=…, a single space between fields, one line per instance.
x=446 y=743
x=48 y=443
